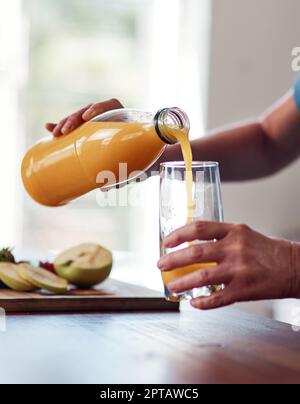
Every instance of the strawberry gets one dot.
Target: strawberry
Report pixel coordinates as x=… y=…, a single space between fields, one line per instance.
x=48 y=266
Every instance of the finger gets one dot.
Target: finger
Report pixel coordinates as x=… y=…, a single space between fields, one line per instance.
x=216 y=301
x=198 y=253
x=74 y=121
x=100 y=108
x=50 y=126
x=197 y=231
x=204 y=277
x=57 y=130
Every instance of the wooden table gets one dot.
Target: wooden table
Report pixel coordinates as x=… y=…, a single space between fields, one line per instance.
x=225 y=346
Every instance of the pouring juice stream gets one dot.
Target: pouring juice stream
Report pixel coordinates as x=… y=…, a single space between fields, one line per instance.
x=182 y=136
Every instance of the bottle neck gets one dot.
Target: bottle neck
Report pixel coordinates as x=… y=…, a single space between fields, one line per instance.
x=169 y=119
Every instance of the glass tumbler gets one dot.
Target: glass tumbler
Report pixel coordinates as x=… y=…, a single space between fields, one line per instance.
x=207 y=206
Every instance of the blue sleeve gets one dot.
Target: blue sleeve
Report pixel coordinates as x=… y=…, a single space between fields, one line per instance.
x=297 y=93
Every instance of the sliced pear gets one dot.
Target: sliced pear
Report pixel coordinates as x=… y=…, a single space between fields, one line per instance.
x=11 y=278
x=85 y=265
x=42 y=279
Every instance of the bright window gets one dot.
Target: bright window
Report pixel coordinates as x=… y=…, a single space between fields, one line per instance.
x=148 y=53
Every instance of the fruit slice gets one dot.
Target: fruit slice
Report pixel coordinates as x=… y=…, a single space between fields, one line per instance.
x=85 y=265
x=11 y=278
x=42 y=279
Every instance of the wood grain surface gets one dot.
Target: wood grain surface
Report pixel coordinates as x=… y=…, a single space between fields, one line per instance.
x=111 y=295
x=224 y=346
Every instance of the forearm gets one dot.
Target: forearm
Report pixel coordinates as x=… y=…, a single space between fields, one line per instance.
x=295 y=267
x=236 y=149
x=251 y=150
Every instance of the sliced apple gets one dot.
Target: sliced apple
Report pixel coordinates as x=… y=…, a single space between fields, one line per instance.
x=42 y=279
x=11 y=278
x=85 y=265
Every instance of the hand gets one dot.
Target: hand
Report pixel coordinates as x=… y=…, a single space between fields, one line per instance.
x=75 y=120
x=250 y=265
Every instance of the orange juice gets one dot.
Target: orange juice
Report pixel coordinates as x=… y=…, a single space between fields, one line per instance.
x=180 y=272
x=183 y=138
x=58 y=170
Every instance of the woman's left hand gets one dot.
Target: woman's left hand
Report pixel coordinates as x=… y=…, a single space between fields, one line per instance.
x=250 y=265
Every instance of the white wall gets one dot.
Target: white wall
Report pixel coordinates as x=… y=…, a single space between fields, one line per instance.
x=12 y=76
x=250 y=68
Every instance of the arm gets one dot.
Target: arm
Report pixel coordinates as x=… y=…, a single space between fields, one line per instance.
x=251 y=150
x=246 y=151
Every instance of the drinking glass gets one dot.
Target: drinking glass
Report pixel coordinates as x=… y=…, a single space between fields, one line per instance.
x=207 y=206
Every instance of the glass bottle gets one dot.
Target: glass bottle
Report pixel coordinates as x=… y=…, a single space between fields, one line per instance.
x=104 y=152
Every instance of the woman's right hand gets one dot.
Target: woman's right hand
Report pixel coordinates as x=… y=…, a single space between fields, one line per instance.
x=72 y=122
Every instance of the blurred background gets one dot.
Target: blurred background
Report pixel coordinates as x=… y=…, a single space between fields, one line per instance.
x=221 y=61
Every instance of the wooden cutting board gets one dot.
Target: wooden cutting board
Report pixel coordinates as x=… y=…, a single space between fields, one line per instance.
x=111 y=295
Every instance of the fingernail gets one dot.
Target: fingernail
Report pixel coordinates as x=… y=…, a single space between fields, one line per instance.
x=88 y=114
x=160 y=264
x=193 y=304
x=172 y=287
x=67 y=128
x=167 y=242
